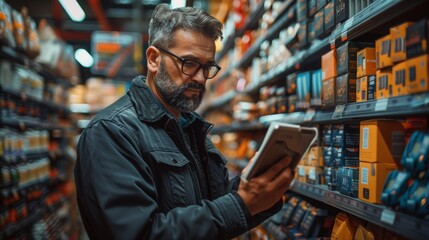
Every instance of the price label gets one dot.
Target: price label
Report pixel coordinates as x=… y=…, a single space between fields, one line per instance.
x=338 y=113
x=381 y=104
x=388 y=216
x=309 y=115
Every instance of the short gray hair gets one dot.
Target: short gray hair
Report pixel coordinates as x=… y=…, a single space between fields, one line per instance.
x=165 y=21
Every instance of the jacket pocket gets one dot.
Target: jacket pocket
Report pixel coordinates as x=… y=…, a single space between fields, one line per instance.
x=173 y=179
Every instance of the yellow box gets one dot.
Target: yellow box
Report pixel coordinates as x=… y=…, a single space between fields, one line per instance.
x=329 y=65
x=398 y=34
x=418 y=76
x=381 y=141
x=400 y=77
x=382 y=52
x=384 y=83
x=371 y=180
x=362 y=89
x=315 y=156
x=302 y=173
x=366 y=62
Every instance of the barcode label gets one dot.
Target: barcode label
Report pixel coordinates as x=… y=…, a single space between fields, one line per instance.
x=312 y=174
x=364 y=176
x=301 y=171
x=365 y=137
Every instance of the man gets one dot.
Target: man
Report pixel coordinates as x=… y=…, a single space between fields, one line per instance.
x=146 y=169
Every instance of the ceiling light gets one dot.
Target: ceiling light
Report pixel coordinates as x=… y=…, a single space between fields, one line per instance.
x=83 y=57
x=73 y=9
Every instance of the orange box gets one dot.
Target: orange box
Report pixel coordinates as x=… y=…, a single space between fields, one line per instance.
x=381 y=141
x=372 y=177
x=329 y=65
x=418 y=76
x=400 y=77
x=315 y=156
x=366 y=62
x=382 y=52
x=398 y=33
x=384 y=83
x=362 y=89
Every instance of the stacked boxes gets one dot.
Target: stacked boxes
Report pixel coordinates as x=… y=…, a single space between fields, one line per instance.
x=366 y=78
x=329 y=72
x=381 y=145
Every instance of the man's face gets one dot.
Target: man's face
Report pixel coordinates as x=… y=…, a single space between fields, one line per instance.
x=178 y=90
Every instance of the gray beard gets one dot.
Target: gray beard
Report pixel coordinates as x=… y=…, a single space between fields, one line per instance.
x=173 y=94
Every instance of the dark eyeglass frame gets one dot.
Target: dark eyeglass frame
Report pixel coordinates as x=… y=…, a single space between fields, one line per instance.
x=205 y=67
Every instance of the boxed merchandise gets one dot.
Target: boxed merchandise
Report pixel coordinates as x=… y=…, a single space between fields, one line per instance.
x=301 y=10
x=398 y=34
x=345 y=157
x=361 y=89
x=417 y=39
x=327 y=135
x=302 y=34
x=291 y=83
x=302 y=173
x=315 y=156
x=371 y=180
x=290 y=206
x=328 y=156
x=291 y=103
x=347 y=56
x=372 y=87
x=341 y=11
x=328 y=93
x=384 y=83
x=366 y=62
x=418 y=76
x=345 y=226
x=319 y=24
x=303 y=83
x=345 y=135
x=400 y=77
x=382 y=52
x=316 y=88
x=321 y=3
x=299 y=214
x=329 y=14
x=345 y=89
x=312 y=7
x=330 y=177
x=381 y=141
x=311 y=34
x=315 y=223
x=329 y=65
x=315 y=175
x=348 y=181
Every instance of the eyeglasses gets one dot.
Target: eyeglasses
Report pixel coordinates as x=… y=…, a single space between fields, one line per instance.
x=191 y=67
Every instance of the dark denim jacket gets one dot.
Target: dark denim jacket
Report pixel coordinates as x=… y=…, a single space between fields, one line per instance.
x=136 y=178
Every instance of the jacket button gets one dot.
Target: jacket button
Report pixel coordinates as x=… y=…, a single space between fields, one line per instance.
x=175 y=161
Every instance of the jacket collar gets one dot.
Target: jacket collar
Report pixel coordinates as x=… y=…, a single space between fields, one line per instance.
x=149 y=109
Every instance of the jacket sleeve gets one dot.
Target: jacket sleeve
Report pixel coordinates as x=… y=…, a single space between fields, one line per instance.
x=117 y=195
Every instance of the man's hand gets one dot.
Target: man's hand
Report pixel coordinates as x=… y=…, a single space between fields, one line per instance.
x=265 y=190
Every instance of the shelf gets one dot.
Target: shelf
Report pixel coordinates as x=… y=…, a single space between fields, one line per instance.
x=23 y=123
x=20 y=58
x=397 y=222
x=32 y=218
x=238 y=126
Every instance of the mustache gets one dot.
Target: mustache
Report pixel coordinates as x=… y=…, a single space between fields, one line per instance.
x=195 y=86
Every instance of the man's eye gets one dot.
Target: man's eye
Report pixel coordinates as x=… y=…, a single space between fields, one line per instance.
x=190 y=64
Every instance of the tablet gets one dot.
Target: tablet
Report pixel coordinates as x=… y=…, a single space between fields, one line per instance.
x=280 y=140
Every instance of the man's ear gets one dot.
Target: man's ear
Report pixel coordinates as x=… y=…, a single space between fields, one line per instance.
x=153 y=59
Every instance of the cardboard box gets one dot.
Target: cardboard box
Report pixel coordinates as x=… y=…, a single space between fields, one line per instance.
x=319 y=24
x=316 y=88
x=345 y=157
x=329 y=14
x=311 y=34
x=347 y=56
x=328 y=93
x=315 y=156
x=348 y=181
x=301 y=10
x=302 y=34
x=371 y=180
x=329 y=65
x=312 y=7
x=382 y=52
x=418 y=76
x=366 y=62
x=291 y=103
x=400 y=77
x=381 y=141
x=417 y=39
x=345 y=89
x=398 y=34
x=384 y=83
x=321 y=3
x=291 y=83
x=330 y=175
x=345 y=135
x=328 y=156
x=361 y=89
x=372 y=87
x=327 y=135
x=341 y=11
